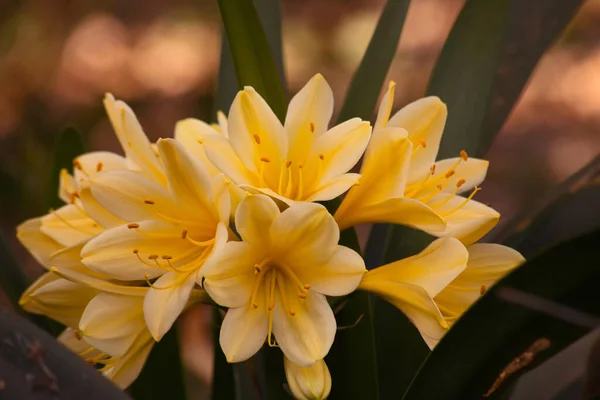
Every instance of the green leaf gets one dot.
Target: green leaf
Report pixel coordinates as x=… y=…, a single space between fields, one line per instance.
x=269 y=13
x=68 y=146
x=352 y=360
x=486 y=61
x=551 y=299
x=252 y=58
x=223 y=384
x=368 y=78
x=162 y=375
x=526 y=221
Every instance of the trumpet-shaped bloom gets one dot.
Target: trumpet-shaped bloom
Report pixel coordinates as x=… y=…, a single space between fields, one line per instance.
x=174 y=232
x=275 y=281
x=401 y=182
x=308 y=383
x=434 y=287
x=299 y=161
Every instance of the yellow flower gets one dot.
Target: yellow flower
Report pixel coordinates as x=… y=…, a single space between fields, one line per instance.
x=170 y=234
x=299 y=161
x=401 y=182
x=275 y=281
x=308 y=383
x=434 y=287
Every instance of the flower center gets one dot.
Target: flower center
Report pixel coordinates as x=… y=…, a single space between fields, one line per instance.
x=433 y=184
x=269 y=278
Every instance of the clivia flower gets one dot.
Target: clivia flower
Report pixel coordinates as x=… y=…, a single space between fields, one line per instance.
x=301 y=160
x=274 y=282
x=402 y=183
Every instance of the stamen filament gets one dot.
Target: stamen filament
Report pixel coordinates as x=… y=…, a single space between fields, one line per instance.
x=70 y=225
x=461 y=205
x=300 y=182
x=271 y=306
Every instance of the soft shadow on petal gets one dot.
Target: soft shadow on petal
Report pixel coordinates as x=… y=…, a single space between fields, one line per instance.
x=254 y=217
x=334 y=188
x=192 y=133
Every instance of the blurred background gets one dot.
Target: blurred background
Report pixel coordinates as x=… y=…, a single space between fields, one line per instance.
x=59 y=57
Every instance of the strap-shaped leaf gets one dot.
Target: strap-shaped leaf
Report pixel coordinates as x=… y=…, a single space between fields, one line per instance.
x=252 y=58
x=368 y=78
x=533 y=313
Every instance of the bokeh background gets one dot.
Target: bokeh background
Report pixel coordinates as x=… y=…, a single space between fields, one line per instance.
x=59 y=57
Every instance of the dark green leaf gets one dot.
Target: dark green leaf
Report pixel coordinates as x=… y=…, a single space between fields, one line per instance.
x=68 y=146
x=486 y=61
x=33 y=365
x=223 y=384
x=548 y=300
x=269 y=14
x=162 y=376
x=252 y=57
x=368 y=78
x=275 y=374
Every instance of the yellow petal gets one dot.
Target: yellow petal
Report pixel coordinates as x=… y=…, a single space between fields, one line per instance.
x=134 y=141
x=96 y=211
x=221 y=197
x=112 y=252
x=89 y=164
x=308 y=383
x=127 y=194
x=307 y=336
x=254 y=217
x=221 y=153
x=308 y=116
x=39 y=245
x=222 y=118
x=57 y=298
x=229 y=276
x=385 y=108
x=66 y=186
x=338 y=150
x=69 y=225
x=129 y=366
x=432 y=269
x=487 y=264
x=339 y=276
x=424 y=119
x=192 y=133
x=334 y=188
x=166 y=300
x=415 y=303
x=188 y=180
x=111 y=322
x=243 y=331
x=468 y=223
x=305 y=231
x=251 y=116
x=400 y=211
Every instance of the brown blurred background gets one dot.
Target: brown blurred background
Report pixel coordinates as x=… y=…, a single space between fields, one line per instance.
x=58 y=58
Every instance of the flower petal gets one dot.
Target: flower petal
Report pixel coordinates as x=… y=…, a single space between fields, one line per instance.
x=66 y=186
x=221 y=153
x=339 y=276
x=57 y=298
x=402 y=211
x=188 y=180
x=221 y=197
x=468 y=223
x=111 y=322
x=385 y=108
x=334 y=188
x=89 y=164
x=308 y=116
x=96 y=211
x=432 y=269
x=229 y=276
x=307 y=336
x=305 y=231
x=424 y=119
x=166 y=300
x=129 y=366
x=338 y=150
x=127 y=194
x=192 y=133
x=125 y=253
x=243 y=331
x=37 y=243
x=69 y=225
x=250 y=117
x=254 y=217
x=414 y=302
x=134 y=141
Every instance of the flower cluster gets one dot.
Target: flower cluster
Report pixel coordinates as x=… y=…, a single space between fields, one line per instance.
x=229 y=213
